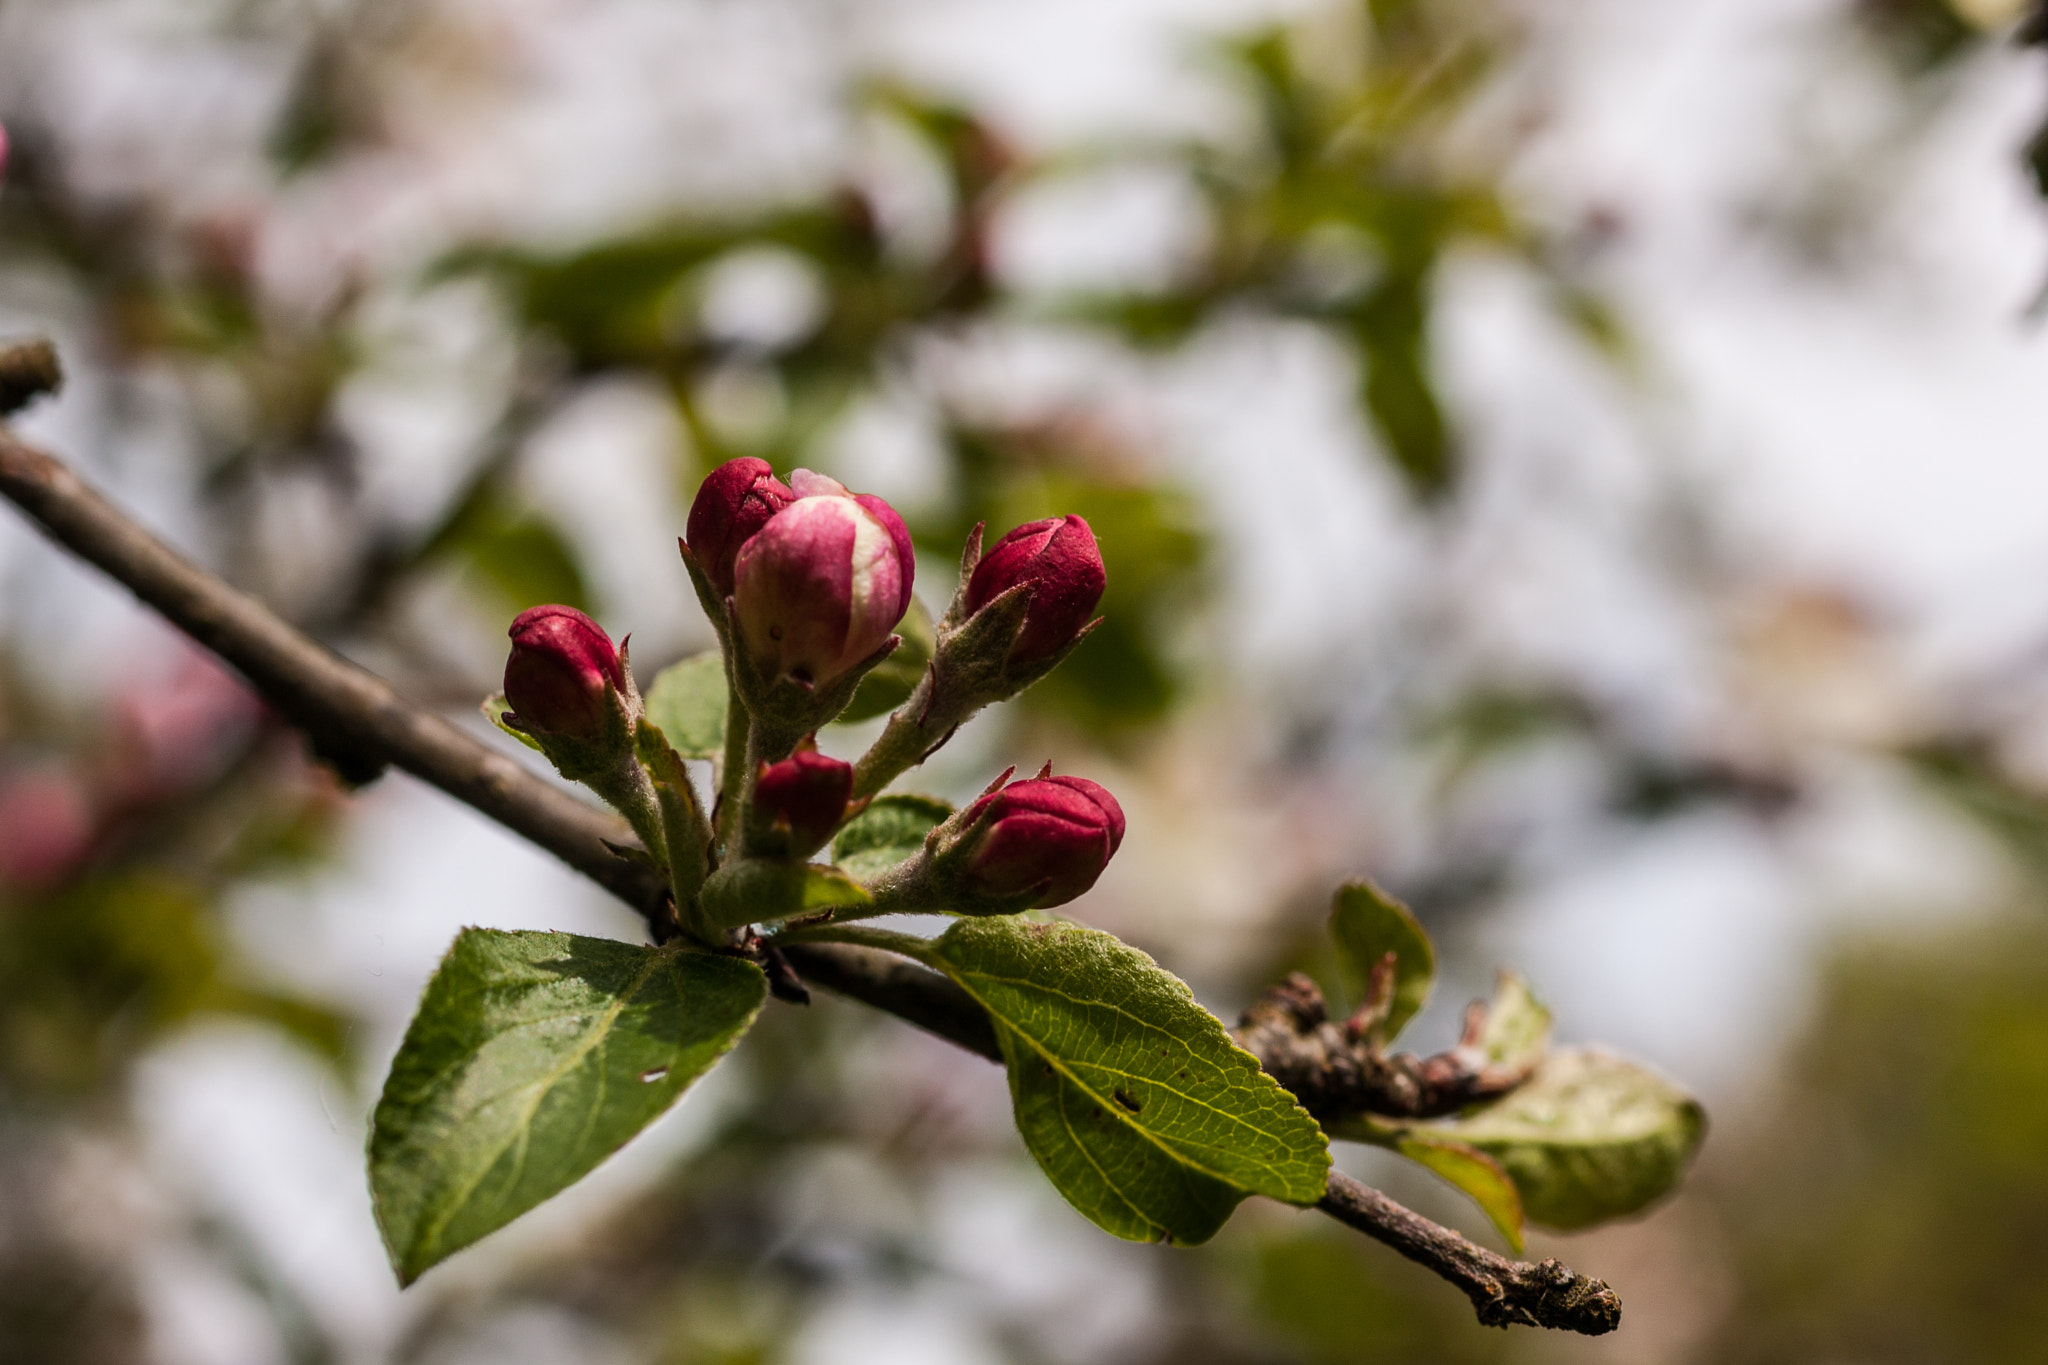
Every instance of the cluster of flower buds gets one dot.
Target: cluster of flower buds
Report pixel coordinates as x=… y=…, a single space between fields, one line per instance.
x=806 y=583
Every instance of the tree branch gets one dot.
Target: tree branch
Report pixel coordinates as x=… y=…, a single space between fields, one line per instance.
x=348 y=711
x=1505 y=1293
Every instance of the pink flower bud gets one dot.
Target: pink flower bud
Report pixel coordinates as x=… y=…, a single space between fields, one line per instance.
x=47 y=827
x=732 y=504
x=807 y=792
x=561 y=672
x=1054 y=834
x=822 y=585
x=1057 y=562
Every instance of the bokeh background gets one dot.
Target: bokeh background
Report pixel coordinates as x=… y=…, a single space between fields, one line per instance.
x=1583 y=463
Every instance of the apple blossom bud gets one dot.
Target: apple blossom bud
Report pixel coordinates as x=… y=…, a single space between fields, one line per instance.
x=732 y=504
x=805 y=793
x=1049 y=834
x=562 y=670
x=821 y=586
x=1057 y=562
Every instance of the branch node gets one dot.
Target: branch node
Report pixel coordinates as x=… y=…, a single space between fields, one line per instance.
x=28 y=370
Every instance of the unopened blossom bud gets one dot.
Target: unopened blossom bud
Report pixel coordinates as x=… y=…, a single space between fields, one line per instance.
x=561 y=673
x=806 y=794
x=732 y=504
x=1057 y=562
x=822 y=585
x=1049 y=834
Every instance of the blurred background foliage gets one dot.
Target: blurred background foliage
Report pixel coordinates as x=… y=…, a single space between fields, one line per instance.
x=381 y=423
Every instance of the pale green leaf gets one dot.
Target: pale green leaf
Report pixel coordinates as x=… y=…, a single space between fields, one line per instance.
x=1466 y=1167
x=687 y=701
x=889 y=683
x=532 y=1058
x=1590 y=1137
x=1517 y=1031
x=758 y=890
x=496 y=708
x=1368 y=924
x=1474 y=1172
x=886 y=833
x=1133 y=1098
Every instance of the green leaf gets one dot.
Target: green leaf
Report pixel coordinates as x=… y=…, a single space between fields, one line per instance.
x=1588 y=1138
x=1134 y=1100
x=532 y=1058
x=496 y=708
x=1517 y=1031
x=1368 y=924
x=889 y=684
x=687 y=703
x=887 y=832
x=1474 y=1172
x=757 y=890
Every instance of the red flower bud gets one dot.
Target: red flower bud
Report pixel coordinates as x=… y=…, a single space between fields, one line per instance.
x=1059 y=565
x=1052 y=833
x=821 y=586
x=807 y=792
x=732 y=504
x=561 y=672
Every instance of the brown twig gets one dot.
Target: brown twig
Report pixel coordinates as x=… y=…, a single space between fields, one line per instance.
x=1505 y=1293
x=345 y=709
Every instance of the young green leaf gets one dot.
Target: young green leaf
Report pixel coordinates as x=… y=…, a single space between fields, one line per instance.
x=1133 y=1098
x=758 y=890
x=1588 y=1138
x=887 y=832
x=532 y=1058
x=1368 y=924
x=687 y=701
x=889 y=684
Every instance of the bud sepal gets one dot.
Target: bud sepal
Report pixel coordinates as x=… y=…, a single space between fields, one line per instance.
x=761 y=890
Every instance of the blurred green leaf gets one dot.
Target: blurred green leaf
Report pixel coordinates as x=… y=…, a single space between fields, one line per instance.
x=1134 y=1100
x=891 y=682
x=1517 y=1031
x=687 y=703
x=888 y=831
x=1589 y=1138
x=517 y=553
x=758 y=890
x=1367 y=924
x=532 y=1058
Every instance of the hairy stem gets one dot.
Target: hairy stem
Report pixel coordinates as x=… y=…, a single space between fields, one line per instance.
x=348 y=710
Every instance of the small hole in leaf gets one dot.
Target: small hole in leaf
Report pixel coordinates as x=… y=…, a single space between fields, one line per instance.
x=1123 y=1097
x=650 y=1077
